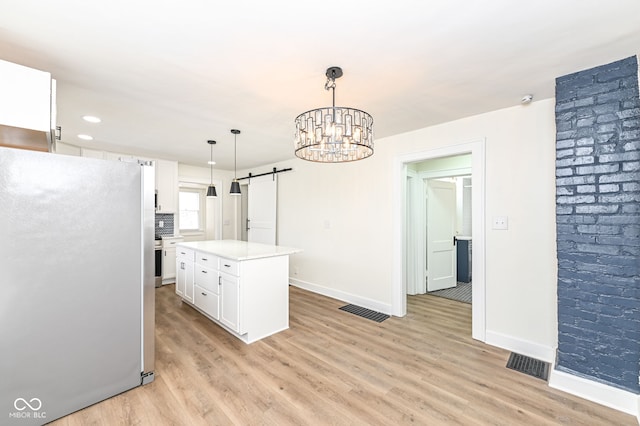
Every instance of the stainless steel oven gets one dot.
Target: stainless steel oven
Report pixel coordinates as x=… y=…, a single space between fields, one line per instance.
x=158 y=256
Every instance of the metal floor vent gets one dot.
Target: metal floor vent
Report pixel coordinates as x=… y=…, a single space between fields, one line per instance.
x=531 y=366
x=365 y=313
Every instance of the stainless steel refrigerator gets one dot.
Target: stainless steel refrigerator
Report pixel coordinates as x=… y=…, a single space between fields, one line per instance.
x=76 y=282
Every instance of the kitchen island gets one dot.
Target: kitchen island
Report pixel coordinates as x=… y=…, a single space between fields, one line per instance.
x=241 y=286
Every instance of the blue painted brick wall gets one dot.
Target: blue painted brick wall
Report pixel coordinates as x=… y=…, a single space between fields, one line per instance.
x=598 y=223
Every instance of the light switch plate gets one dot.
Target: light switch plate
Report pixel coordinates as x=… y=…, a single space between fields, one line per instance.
x=500 y=222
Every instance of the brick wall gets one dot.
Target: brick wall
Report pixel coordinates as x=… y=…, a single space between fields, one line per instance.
x=598 y=223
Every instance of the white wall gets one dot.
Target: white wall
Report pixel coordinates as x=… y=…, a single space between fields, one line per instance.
x=341 y=216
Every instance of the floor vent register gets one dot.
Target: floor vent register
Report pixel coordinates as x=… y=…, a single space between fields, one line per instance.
x=365 y=313
x=531 y=366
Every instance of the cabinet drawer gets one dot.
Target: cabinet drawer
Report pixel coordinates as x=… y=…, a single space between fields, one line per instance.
x=207 y=260
x=206 y=278
x=207 y=301
x=230 y=266
x=185 y=254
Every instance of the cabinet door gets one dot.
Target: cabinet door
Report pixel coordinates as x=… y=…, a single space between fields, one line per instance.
x=230 y=301
x=189 y=281
x=167 y=186
x=26 y=97
x=184 y=279
x=169 y=265
x=181 y=277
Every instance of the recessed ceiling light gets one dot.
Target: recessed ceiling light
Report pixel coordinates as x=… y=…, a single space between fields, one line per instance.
x=86 y=137
x=91 y=118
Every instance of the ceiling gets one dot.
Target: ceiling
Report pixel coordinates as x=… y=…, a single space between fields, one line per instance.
x=166 y=76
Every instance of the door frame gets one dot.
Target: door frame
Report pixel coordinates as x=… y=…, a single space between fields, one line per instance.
x=399 y=283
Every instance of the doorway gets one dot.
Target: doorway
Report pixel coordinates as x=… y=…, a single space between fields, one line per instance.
x=402 y=244
x=258 y=210
x=438 y=227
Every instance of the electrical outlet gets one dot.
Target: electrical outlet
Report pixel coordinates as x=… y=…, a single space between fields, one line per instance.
x=161 y=224
x=500 y=222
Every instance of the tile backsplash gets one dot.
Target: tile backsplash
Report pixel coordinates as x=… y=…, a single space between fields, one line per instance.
x=167 y=222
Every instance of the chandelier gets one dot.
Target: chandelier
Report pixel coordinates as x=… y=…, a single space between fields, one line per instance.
x=333 y=134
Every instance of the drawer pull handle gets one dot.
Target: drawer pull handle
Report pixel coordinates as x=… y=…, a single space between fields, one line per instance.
x=205 y=259
x=227 y=266
x=204 y=272
x=204 y=294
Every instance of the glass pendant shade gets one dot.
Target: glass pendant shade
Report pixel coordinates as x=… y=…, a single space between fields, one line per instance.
x=333 y=134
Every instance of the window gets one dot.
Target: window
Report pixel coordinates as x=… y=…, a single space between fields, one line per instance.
x=191 y=206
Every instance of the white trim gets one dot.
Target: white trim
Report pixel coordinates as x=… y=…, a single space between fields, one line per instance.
x=434 y=174
x=399 y=294
x=340 y=295
x=520 y=346
x=599 y=393
x=415 y=262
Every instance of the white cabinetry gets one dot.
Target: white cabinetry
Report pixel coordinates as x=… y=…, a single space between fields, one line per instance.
x=207 y=284
x=230 y=295
x=169 y=259
x=185 y=273
x=27 y=107
x=247 y=294
x=167 y=186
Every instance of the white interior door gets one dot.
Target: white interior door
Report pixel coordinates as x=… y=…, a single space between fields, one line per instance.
x=441 y=253
x=262 y=209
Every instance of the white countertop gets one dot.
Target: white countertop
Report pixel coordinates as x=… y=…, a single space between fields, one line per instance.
x=239 y=250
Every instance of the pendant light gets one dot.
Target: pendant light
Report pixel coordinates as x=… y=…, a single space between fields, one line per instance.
x=211 y=191
x=333 y=134
x=235 y=185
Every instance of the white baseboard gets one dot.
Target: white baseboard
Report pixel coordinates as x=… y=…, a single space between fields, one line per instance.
x=608 y=396
x=340 y=295
x=520 y=346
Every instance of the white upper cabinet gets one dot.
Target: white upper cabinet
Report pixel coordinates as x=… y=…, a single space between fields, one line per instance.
x=167 y=186
x=27 y=107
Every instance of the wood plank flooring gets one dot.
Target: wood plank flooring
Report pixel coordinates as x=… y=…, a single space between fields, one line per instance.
x=335 y=368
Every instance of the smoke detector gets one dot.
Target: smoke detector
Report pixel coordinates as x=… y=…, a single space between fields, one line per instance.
x=526 y=99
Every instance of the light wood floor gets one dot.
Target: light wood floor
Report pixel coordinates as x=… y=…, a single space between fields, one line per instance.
x=334 y=368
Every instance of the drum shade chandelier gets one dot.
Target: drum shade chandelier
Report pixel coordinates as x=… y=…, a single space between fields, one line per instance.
x=235 y=185
x=211 y=191
x=333 y=134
